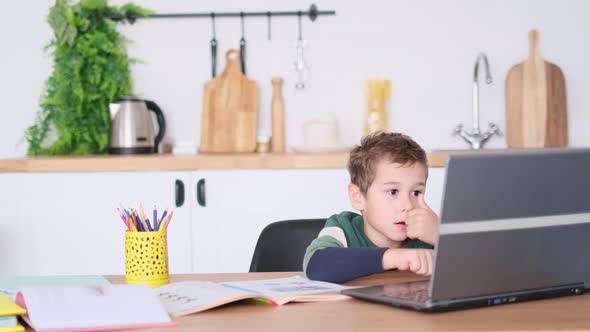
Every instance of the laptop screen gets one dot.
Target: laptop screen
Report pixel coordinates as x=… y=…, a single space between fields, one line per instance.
x=513 y=221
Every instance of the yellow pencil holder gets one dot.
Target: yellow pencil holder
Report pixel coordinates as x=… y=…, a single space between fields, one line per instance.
x=146 y=258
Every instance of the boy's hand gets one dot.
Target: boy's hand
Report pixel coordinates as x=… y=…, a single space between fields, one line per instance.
x=422 y=222
x=416 y=260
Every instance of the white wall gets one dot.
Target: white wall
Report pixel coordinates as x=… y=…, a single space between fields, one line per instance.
x=426 y=47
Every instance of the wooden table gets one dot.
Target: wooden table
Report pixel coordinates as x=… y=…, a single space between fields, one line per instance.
x=563 y=314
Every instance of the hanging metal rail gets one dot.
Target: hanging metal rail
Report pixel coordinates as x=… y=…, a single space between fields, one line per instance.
x=312 y=13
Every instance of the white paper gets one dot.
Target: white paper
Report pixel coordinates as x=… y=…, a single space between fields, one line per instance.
x=62 y=307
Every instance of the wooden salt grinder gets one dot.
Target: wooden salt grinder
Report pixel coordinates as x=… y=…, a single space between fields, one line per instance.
x=277 y=142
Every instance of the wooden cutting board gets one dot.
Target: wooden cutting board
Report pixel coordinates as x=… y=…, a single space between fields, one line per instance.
x=536 y=113
x=230 y=110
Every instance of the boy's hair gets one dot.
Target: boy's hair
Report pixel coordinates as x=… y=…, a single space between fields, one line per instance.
x=397 y=147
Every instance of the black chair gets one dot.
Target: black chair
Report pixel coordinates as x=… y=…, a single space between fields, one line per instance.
x=281 y=245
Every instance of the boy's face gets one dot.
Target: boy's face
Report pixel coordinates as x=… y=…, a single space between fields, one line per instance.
x=393 y=193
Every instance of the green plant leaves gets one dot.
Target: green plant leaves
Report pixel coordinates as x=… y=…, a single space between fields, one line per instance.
x=62 y=21
x=90 y=70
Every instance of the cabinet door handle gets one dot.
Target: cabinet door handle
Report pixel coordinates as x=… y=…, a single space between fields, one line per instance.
x=201 y=192
x=179 y=193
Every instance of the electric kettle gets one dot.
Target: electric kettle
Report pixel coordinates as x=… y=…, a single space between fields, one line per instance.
x=131 y=126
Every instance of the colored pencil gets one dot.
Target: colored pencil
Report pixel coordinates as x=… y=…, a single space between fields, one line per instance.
x=168 y=220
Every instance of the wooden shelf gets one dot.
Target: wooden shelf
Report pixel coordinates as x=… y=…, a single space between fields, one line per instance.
x=111 y=163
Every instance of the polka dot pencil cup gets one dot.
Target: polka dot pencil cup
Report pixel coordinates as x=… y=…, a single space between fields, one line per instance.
x=146 y=258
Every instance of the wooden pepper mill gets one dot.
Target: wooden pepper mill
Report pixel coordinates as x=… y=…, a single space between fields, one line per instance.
x=277 y=142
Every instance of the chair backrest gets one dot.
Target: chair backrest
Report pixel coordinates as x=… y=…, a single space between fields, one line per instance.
x=281 y=245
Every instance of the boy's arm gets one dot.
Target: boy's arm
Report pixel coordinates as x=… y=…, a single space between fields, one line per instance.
x=344 y=264
x=327 y=259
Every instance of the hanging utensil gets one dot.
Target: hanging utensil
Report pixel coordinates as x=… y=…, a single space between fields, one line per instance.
x=242 y=47
x=268 y=25
x=300 y=64
x=213 y=48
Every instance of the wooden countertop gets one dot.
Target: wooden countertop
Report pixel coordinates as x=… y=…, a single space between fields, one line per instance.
x=112 y=163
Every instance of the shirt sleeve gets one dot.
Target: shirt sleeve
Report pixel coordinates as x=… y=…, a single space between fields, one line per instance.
x=344 y=264
x=328 y=257
x=331 y=236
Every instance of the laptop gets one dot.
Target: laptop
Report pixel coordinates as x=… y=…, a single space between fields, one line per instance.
x=514 y=226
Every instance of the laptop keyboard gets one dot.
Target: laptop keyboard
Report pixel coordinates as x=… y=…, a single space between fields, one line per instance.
x=414 y=291
x=419 y=295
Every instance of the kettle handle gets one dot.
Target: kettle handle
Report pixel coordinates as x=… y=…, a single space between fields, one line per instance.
x=161 y=122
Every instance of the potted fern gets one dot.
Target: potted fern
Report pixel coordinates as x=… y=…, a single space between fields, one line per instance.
x=90 y=69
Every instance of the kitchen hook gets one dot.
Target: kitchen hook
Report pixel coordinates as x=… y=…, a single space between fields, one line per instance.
x=213 y=48
x=299 y=23
x=268 y=24
x=242 y=46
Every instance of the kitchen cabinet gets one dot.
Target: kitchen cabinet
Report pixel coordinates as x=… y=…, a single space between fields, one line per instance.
x=434 y=188
x=66 y=223
x=239 y=204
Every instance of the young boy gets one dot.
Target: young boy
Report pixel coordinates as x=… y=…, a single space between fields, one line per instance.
x=396 y=228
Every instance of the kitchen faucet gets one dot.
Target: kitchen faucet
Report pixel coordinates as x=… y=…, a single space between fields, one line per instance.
x=476 y=138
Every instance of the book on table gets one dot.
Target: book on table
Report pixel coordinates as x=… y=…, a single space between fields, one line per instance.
x=187 y=297
x=9 y=284
x=91 y=308
x=9 y=312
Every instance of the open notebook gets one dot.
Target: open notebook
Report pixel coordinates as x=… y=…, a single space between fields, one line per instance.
x=92 y=308
x=183 y=298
